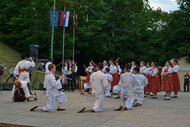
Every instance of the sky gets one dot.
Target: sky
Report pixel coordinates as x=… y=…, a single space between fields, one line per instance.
x=165 y=5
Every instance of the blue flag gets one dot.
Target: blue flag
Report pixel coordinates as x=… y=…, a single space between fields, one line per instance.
x=56 y=14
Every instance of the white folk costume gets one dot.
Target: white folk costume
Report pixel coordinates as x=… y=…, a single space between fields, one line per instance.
x=128 y=81
x=22 y=70
x=52 y=93
x=117 y=88
x=24 y=86
x=108 y=89
x=99 y=83
x=46 y=72
x=142 y=81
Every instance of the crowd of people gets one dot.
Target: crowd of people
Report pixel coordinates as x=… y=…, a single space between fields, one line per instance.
x=131 y=83
x=134 y=83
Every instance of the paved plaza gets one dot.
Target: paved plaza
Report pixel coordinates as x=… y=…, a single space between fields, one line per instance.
x=154 y=113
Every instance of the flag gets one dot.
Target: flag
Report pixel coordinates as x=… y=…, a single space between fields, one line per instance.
x=55 y=18
x=75 y=18
x=64 y=18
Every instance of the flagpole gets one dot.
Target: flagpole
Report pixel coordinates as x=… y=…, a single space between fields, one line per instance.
x=52 y=30
x=74 y=35
x=63 y=50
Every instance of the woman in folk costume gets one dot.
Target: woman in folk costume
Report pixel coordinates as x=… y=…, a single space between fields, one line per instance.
x=155 y=86
x=22 y=68
x=145 y=71
x=23 y=84
x=113 y=71
x=99 y=83
x=105 y=65
x=175 y=78
x=142 y=81
x=87 y=84
x=134 y=64
x=128 y=81
x=167 y=82
x=52 y=92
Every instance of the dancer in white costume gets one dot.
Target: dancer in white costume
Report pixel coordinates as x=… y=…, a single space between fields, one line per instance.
x=142 y=81
x=128 y=81
x=99 y=83
x=22 y=68
x=52 y=92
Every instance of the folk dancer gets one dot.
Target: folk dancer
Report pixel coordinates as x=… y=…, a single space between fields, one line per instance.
x=52 y=92
x=23 y=84
x=128 y=81
x=22 y=68
x=99 y=83
x=175 y=78
x=142 y=81
x=110 y=79
x=167 y=82
x=155 y=86
x=114 y=72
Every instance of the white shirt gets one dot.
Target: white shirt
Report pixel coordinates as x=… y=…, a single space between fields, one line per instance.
x=51 y=84
x=176 y=68
x=113 y=69
x=24 y=64
x=99 y=83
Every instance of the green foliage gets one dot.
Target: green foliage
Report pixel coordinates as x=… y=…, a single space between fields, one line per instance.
x=128 y=29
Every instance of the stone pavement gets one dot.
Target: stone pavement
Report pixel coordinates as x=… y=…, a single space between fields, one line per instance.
x=154 y=113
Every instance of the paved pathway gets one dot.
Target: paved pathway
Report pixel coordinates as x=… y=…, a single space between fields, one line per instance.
x=154 y=113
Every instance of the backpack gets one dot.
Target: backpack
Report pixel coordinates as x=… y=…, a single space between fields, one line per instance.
x=19 y=95
x=1 y=70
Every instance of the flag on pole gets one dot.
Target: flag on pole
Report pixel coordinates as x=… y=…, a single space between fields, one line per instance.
x=75 y=18
x=55 y=18
x=64 y=18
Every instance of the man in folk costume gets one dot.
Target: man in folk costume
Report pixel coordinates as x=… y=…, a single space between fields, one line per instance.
x=175 y=78
x=114 y=72
x=110 y=79
x=142 y=81
x=154 y=80
x=52 y=92
x=128 y=81
x=167 y=82
x=22 y=68
x=99 y=83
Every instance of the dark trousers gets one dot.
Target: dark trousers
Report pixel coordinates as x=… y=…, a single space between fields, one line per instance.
x=186 y=86
x=71 y=82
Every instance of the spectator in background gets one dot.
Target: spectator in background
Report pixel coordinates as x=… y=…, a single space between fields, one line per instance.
x=186 y=82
